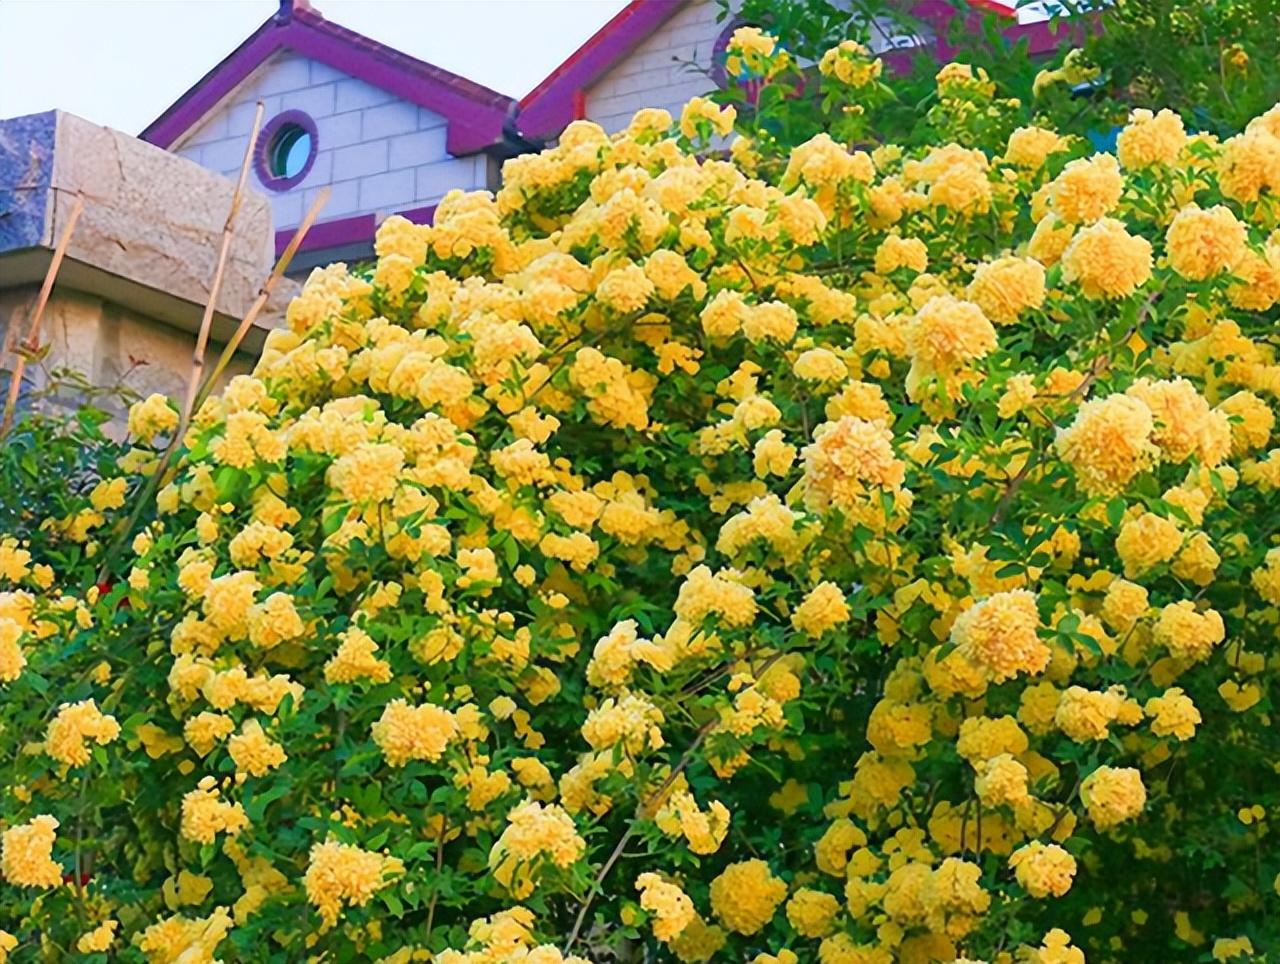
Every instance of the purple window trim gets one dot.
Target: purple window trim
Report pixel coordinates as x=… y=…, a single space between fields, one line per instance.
x=262 y=151
x=351 y=230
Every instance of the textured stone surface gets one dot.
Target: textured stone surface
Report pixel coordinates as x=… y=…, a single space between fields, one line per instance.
x=135 y=281
x=26 y=174
x=157 y=219
x=152 y=221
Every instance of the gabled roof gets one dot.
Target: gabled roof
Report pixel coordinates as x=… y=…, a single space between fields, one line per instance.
x=476 y=114
x=553 y=104
x=549 y=108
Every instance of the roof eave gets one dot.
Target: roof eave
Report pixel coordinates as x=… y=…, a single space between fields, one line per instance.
x=548 y=108
x=476 y=115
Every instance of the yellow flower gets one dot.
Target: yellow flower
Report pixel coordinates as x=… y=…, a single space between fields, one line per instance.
x=1150 y=139
x=1113 y=795
x=1107 y=261
x=26 y=853
x=339 y=874
x=848 y=463
x=946 y=334
x=897 y=252
x=533 y=830
x=671 y=908
x=355 y=660
x=1087 y=189
x=1202 y=243
x=1043 y=869
x=12 y=658
x=253 y=751
x=1173 y=714
x=812 y=913
x=1108 y=443
x=1187 y=633
x=823 y=609
x=73 y=727
x=699 y=114
x=1145 y=542
x=746 y=895
x=1000 y=635
x=1007 y=287
x=1030 y=147
x=1001 y=781
x=205 y=815
x=406 y=732
x=152 y=416
x=99 y=939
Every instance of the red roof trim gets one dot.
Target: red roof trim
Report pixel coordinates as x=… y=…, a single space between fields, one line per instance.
x=548 y=108
x=477 y=115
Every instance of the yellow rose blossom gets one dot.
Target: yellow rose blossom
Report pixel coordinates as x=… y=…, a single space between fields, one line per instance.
x=746 y=895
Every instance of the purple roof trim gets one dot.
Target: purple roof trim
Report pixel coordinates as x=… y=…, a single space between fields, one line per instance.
x=261 y=152
x=547 y=109
x=352 y=230
x=476 y=115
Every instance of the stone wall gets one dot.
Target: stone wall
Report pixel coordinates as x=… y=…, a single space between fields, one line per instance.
x=133 y=286
x=110 y=345
x=378 y=154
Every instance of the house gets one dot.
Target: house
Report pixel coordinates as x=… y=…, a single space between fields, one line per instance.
x=388 y=133
x=385 y=132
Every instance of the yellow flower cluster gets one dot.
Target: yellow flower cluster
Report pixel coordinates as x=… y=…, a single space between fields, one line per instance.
x=754 y=558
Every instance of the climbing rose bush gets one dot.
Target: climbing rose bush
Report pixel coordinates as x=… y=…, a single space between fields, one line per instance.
x=844 y=556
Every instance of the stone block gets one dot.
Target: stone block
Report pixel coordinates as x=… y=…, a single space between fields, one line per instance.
x=344 y=199
x=316 y=101
x=355 y=94
x=151 y=228
x=398 y=117
x=338 y=130
x=434 y=181
x=382 y=191
x=420 y=147
x=283 y=72
x=359 y=160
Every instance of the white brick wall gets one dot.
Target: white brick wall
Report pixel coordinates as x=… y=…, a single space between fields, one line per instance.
x=378 y=154
x=656 y=73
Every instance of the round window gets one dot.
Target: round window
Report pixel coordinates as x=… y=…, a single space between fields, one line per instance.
x=286 y=150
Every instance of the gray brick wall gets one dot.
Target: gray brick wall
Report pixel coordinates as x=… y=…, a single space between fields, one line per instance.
x=378 y=154
x=656 y=73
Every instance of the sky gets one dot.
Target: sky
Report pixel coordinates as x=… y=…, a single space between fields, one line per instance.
x=122 y=62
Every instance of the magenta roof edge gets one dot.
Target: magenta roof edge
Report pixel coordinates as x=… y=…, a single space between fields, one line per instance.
x=477 y=115
x=548 y=108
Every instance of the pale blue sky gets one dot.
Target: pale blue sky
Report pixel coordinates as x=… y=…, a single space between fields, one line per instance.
x=122 y=62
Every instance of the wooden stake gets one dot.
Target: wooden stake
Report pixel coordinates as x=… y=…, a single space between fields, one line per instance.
x=264 y=294
x=215 y=286
x=31 y=343
x=166 y=468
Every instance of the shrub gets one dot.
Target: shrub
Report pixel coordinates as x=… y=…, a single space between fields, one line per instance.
x=861 y=558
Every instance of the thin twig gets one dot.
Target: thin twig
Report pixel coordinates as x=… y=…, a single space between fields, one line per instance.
x=685 y=760
x=435 y=891
x=31 y=344
x=220 y=267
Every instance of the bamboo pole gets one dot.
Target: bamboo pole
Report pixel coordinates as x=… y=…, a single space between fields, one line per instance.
x=165 y=470
x=30 y=344
x=220 y=267
x=264 y=294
